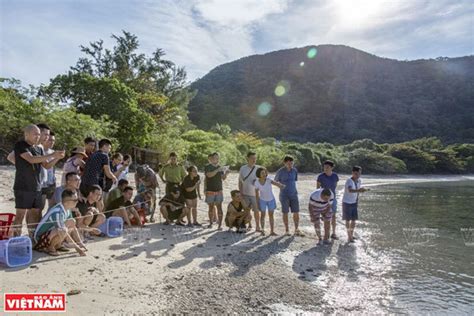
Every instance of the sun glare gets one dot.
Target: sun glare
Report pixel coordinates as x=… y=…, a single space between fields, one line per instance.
x=353 y=13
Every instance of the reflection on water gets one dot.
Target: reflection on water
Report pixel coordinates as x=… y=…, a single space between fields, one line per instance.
x=428 y=229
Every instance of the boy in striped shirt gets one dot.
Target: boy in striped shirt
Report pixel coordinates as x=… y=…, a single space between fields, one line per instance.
x=319 y=207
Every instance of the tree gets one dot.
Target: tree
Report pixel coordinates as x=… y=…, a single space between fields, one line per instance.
x=105 y=96
x=143 y=95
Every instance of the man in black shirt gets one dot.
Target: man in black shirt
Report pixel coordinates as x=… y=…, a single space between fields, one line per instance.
x=123 y=207
x=172 y=206
x=96 y=167
x=29 y=158
x=89 y=211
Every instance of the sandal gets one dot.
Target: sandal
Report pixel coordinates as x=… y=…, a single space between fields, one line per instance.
x=333 y=236
x=273 y=234
x=299 y=233
x=63 y=249
x=54 y=253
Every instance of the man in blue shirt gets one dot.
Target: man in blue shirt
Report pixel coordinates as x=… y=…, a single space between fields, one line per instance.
x=288 y=175
x=328 y=180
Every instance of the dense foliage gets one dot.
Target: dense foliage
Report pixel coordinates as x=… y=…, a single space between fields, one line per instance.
x=142 y=101
x=340 y=95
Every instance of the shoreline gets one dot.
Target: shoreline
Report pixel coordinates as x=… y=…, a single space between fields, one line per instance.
x=169 y=269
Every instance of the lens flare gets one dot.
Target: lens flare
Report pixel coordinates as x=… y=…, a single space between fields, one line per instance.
x=280 y=91
x=264 y=108
x=282 y=88
x=312 y=52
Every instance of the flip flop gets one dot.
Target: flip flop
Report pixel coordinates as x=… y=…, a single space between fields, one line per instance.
x=299 y=234
x=52 y=253
x=63 y=249
x=273 y=234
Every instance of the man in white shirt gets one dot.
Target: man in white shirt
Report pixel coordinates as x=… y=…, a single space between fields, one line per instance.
x=319 y=207
x=350 y=199
x=247 y=178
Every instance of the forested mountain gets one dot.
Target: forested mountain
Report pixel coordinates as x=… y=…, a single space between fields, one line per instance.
x=339 y=94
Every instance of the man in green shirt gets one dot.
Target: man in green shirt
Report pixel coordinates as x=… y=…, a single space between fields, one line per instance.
x=172 y=173
x=116 y=192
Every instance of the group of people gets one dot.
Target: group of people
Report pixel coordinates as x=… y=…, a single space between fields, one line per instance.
x=255 y=197
x=95 y=186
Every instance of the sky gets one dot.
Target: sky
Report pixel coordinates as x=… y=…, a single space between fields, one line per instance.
x=40 y=39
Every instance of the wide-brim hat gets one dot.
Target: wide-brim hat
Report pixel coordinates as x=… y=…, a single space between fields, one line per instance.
x=79 y=150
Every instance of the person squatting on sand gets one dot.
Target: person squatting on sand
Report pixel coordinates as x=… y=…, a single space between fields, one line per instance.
x=238 y=214
x=173 y=208
x=58 y=226
x=123 y=207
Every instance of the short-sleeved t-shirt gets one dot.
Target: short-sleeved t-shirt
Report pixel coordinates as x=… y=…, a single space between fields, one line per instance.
x=178 y=203
x=213 y=184
x=288 y=178
x=55 y=217
x=94 y=169
x=27 y=175
x=115 y=193
x=84 y=206
x=328 y=182
x=316 y=200
x=351 y=197
x=116 y=204
x=188 y=183
x=105 y=182
x=173 y=173
x=250 y=175
x=265 y=190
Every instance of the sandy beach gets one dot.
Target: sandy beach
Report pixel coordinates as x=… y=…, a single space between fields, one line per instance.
x=170 y=269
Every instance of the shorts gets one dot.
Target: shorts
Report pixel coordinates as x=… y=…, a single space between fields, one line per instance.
x=267 y=205
x=317 y=214
x=44 y=241
x=250 y=200
x=349 y=212
x=289 y=203
x=48 y=191
x=214 y=197
x=28 y=199
x=174 y=215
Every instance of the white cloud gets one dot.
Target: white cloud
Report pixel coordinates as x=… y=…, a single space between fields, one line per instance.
x=202 y=34
x=232 y=13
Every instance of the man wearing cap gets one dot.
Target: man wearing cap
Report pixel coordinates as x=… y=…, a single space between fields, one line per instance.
x=172 y=206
